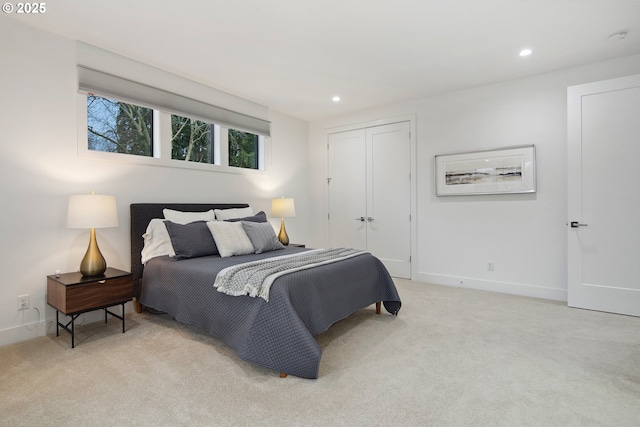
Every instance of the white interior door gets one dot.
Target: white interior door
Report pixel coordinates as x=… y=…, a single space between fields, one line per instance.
x=389 y=196
x=370 y=193
x=604 y=200
x=347 y=196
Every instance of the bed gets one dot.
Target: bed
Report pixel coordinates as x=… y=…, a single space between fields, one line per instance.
x=278 y=333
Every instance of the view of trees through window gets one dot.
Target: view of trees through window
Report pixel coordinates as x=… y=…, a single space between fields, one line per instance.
x=118 y=127
x=191 y=140
x=243 y=149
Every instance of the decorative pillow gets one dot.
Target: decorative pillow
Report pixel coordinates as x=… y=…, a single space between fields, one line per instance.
x=262 y=236
x=191 y=240
x=224 y=214
x=156 y=241
x=180 y=217
x=259 y=217
x=230 y=238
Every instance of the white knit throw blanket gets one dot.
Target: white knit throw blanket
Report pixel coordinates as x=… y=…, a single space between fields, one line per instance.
x=256 y=277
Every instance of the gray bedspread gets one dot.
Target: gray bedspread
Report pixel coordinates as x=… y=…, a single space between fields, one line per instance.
x=277 y=334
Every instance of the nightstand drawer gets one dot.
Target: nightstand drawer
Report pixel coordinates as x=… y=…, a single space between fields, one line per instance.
x=97 y=294
x=72 y=293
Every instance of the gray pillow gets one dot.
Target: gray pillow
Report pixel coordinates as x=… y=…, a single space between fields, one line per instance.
x=259 y=217
x=262 y=236
x=191 y=240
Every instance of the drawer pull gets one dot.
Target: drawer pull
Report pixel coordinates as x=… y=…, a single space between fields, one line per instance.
x=102 y=281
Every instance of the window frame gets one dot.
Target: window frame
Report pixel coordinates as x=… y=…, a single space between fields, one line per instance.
x=257 y=148
x=152 y=146
x=162 y=144
x=212 y=160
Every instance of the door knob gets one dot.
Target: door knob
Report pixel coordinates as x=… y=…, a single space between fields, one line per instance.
x=576 y=224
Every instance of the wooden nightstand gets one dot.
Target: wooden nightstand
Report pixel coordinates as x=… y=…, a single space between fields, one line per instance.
x=73 y=294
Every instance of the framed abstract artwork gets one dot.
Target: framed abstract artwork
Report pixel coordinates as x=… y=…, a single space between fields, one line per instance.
x=501 y=171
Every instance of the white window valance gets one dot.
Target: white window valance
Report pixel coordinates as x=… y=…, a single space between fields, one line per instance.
x=105 y=84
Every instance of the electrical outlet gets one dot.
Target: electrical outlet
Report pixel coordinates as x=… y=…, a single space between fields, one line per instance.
x=23 y=302
x=490 y=266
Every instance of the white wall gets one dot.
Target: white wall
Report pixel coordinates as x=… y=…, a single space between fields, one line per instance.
x=524 y=235
x=40 y=168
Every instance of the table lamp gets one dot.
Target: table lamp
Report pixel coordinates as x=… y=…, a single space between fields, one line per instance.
x=92 y=211
x=283 y=208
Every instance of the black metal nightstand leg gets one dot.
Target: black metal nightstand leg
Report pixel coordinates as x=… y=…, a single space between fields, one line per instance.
x=71 y=322
x=117 y=316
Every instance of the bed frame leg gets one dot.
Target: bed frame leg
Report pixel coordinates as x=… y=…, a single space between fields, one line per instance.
x=137 y=306
x=283 y=375
x=378 y=305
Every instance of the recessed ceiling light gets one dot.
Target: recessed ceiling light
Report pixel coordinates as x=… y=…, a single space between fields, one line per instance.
x=336 y=98
x=525 y=52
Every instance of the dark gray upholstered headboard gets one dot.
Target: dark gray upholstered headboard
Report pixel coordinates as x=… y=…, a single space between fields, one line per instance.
x=142 y=213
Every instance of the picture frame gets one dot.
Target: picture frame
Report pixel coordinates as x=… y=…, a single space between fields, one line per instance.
x=506 y=170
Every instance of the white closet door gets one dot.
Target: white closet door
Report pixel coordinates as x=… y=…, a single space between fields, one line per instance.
x=389 y=196
x=370 y=193
x=347 y=197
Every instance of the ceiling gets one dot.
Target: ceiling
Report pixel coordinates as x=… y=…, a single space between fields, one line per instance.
x=295 y=55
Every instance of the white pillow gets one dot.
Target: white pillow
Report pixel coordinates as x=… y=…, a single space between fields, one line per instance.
x=183 y=218
x=156 y=241
x=222 y=214
x=230 y=237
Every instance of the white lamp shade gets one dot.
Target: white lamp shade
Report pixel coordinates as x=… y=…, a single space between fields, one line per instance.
x=283 y=208
x=92 y=211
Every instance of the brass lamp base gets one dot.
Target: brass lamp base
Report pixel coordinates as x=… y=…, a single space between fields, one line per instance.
x=93 y=263
x=282 y=236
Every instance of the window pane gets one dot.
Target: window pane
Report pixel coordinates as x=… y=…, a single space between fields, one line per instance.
x=243 y=149
x=118 y=127
x=191 y=140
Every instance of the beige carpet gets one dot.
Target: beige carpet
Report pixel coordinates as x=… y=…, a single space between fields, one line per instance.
x=453 y=357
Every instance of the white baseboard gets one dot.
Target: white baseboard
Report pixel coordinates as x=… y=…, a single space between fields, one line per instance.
x=23 y=332
x=493 y=286
x=41 y=328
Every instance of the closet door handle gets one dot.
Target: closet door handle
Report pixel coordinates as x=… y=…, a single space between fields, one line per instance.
x=360 y=219
x=369 y=218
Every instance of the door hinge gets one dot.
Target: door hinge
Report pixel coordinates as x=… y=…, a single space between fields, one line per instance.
x=328 y=216
x=328 y=180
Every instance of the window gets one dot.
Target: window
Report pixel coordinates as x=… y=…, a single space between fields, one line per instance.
x=129 y=121
x=243 y=149
x=191 y=140
x=113 y=129
x=117 y=127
